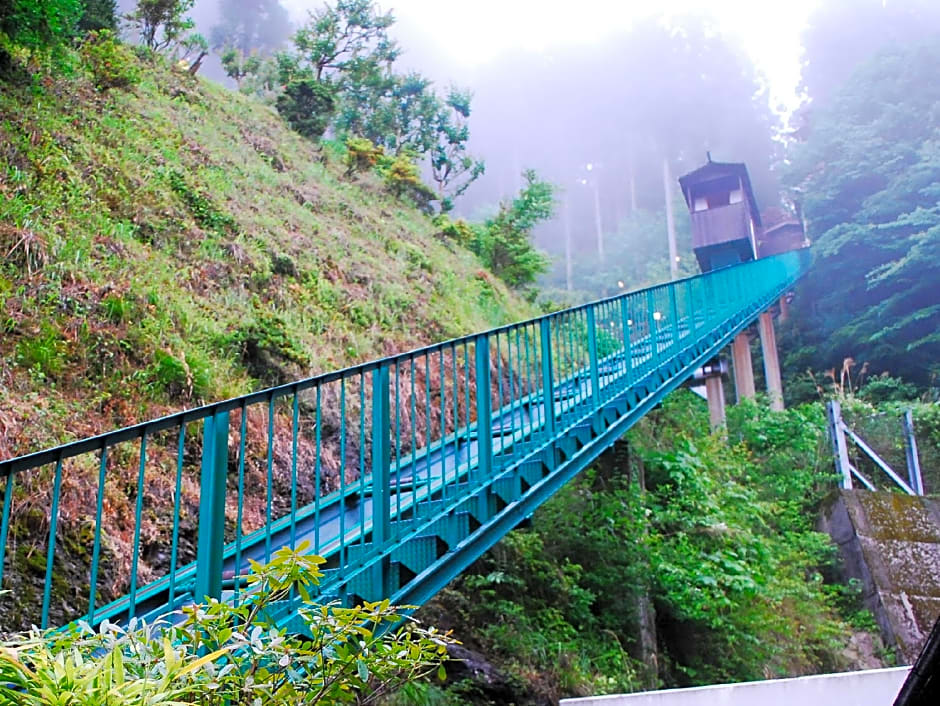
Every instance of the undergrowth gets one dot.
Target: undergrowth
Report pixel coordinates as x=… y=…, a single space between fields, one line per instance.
x=704 y=542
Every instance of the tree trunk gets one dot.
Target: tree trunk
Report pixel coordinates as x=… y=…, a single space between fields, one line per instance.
x=197 y=64
x=670 y=221
x=647 y=643
x=568 y=268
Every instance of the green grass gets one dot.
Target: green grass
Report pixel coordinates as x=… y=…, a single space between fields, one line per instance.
x=148 y=235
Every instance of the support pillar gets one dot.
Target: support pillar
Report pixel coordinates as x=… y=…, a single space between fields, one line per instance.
x=743 y=367
x=715 y=392
x=768 y=342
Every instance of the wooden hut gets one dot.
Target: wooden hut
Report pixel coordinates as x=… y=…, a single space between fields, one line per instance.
x=725 y=217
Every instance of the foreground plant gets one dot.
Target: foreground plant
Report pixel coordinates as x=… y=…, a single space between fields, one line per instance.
x=217 y=653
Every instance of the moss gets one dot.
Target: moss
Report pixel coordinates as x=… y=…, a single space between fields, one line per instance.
x=897 y=516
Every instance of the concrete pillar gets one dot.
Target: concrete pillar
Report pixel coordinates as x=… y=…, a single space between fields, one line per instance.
x=715 y=392
x=743 y=367
x=768 y=343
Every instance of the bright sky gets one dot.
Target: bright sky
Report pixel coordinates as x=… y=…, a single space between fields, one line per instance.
x=470 y=33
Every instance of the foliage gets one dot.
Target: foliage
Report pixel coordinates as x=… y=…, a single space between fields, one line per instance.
x=452 y=169
x=224 y=654
x=867 y=179
x=98 y=15
x=504 y=244
x=238 y=64
x=204 y=212
x=346 y=36
x=395 y=111
x=162 y=24
x=36 y=25
x=361 y=155
x=403 y=178
x=718 y=533
x=112 y=64
x=307 y=106
x=458 y=231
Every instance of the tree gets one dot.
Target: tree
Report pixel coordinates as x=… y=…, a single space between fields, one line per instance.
x=504 y=243
x=453 y=170
x=843 y=34
x=338 y=37
x=867 y=180
x=251 y=26
x=98 y=15
x=238 y=65
x=307 y=105
x=162 y=24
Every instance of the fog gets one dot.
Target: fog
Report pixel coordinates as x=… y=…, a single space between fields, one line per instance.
x=600 y=98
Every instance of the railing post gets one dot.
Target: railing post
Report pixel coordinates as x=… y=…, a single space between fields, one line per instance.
x=381 y=456
x=213 y=478
x=841 y=452
x=690 y=308
x=484 y=409
x=674 y=313
x=910 y=447
x=653 y=328
x=627 y=345
x=592 y=355
x=548 y=385
x=381 y=480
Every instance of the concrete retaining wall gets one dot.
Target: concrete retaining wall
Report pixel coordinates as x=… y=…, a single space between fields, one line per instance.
x=891 y=543
x=875 y=687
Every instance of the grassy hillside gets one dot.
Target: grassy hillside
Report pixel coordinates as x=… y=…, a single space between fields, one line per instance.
x=179 y=244
x=175 y=245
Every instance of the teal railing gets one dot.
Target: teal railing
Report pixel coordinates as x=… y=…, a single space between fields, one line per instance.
x=399 y=471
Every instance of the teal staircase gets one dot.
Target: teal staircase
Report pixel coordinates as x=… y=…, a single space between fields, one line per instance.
x=399 y=472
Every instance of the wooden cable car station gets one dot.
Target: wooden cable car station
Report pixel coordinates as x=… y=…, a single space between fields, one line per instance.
x=727 y=229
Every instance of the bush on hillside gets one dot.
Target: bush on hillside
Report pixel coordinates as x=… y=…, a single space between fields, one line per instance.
x=307 y=106
x=36 y=26
x=403 y=178
x=505 y=243
x=112 y=63
x=712 y=538
x=361 y=155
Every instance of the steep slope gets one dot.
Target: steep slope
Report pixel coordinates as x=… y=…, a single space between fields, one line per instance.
x=179 y=244
x=176 y=245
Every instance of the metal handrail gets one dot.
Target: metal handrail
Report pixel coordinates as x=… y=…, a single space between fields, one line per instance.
x=395 y=443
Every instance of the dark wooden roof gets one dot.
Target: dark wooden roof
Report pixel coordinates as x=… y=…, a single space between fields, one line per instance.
x=716 y=170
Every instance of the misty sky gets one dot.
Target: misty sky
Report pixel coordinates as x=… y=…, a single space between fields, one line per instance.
x=460 y=37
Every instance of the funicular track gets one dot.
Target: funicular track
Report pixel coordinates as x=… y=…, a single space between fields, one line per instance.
x=438 y=452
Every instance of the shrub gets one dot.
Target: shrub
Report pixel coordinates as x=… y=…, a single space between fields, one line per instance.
x=37 y=25
x=361 y=155
x=403 y=178
x=505 y=243
x=216 y=653
x=458 y=231
x=204 y=212
x=112 y=64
